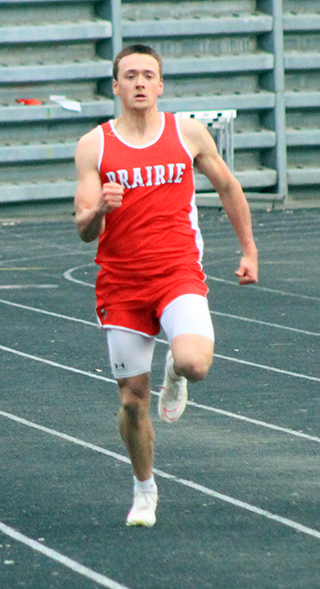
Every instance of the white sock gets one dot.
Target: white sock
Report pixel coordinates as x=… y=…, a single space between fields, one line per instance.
x=170 y=369
x=147 y=486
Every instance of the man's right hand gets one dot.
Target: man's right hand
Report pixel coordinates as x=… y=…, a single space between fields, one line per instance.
x=110 y=198
x=93 y=202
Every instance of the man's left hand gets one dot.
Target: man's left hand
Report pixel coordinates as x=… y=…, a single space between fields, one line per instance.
x=248 y=270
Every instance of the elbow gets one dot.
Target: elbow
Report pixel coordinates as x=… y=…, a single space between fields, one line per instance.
x=89 y=225
x=86 y=236
x=231 y=190
x=84 y=232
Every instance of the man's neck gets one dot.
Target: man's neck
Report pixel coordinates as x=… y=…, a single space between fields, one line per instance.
x=138 y=127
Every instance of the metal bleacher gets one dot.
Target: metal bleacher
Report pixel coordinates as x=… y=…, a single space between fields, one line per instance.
x=259 y=58
x=48 y=48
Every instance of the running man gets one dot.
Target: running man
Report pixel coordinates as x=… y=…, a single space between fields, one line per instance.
x=136 y=195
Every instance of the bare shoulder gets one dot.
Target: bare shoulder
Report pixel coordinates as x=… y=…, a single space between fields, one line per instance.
x=196 y=136
x=191 y=128
x=88 y=148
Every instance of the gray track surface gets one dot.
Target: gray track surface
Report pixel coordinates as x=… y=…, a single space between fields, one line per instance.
x=239 y=473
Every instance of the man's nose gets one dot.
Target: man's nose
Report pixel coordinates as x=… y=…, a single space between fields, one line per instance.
x=140 y=80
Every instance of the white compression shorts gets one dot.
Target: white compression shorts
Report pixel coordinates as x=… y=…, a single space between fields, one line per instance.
x=131 y=353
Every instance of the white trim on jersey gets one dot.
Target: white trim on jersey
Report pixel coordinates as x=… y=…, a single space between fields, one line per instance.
x=101 y=147
x=195 y=225
x=182 y=141
x=194 y=211
x=139 y=146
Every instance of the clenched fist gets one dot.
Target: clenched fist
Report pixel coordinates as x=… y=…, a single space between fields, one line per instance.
x=110 y=197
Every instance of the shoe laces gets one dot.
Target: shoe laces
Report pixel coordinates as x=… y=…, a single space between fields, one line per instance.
x=175 y=390
x=144 y=499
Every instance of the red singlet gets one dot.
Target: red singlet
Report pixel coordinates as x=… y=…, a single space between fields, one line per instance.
x=151 y=248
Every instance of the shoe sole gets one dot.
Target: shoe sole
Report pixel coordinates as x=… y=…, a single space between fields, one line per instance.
x=139 y=524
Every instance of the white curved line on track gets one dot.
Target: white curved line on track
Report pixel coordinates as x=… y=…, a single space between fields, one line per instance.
x=68 y=276
x=184 y=482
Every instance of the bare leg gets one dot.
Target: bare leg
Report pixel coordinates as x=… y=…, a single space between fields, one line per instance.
x=135 y=424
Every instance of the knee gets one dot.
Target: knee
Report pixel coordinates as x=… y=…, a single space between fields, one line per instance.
x=135 y=398
x=132 y=412
x=194 y=368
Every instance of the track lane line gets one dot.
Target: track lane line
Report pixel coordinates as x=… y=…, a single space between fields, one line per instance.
x=68 y=276
x=184 y=482
x=221 y=357
x=52 y=255
x=23 y=286
x=190 y=403
x=265 y=289
x=266 y=323
x=60 y=558
x=270 y=368
x=237 y=317
x=50 y=313
x=56 y=364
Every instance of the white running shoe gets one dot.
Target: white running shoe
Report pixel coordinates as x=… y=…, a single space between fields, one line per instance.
x=143 y=510
x=173 y=397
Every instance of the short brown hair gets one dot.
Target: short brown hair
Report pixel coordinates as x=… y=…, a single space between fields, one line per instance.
x=129 y=50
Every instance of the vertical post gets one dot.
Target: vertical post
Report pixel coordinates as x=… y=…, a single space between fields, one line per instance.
x=116 y=27
x=276 y=82
x=110 y=10
x=280 y=109
x=231 y=147
x=116 y=40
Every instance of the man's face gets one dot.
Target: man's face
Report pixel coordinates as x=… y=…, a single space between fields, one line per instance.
x=139 y=83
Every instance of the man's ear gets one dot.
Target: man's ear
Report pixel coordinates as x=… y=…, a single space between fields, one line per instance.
x=115 y=87
x=160 y=88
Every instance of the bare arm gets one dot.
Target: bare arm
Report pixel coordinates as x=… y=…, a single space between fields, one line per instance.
x=93 y=202
x=208 y=161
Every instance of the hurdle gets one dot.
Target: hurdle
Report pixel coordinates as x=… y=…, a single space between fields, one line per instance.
x=222 y=123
